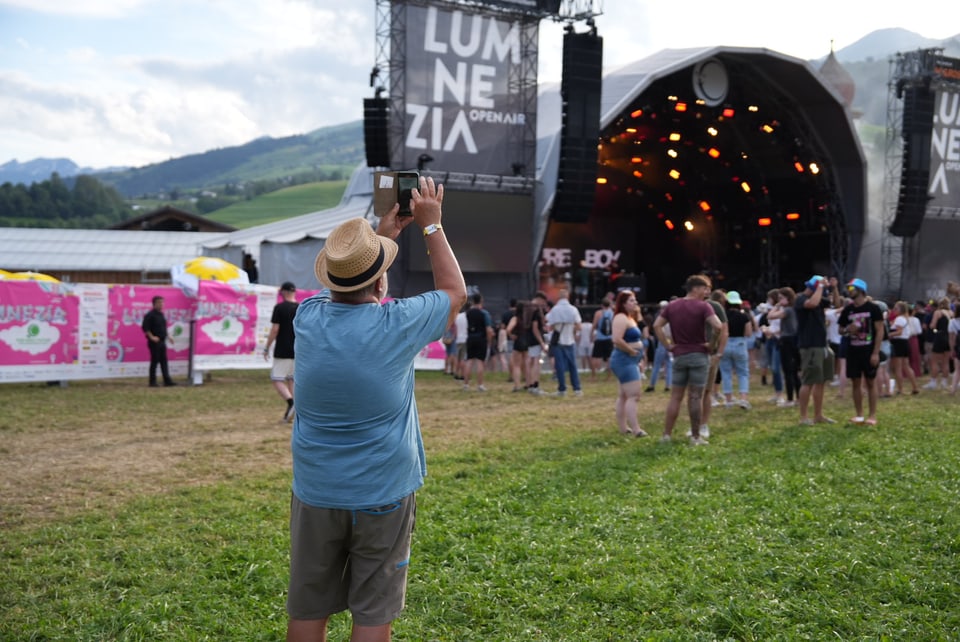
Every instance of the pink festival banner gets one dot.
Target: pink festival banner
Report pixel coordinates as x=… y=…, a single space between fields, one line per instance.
x=128 y=304
x=227 y=319
x=39 y=324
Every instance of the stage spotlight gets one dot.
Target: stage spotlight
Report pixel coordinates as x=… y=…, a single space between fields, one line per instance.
x=705 y=206
x=674 y=137
x=793 y=216
x=631 y=130
x=638 y=173
x=745 y=186
x=767 y=128
x=728 y=112
x=681 y=107
x=674 y=174
x=636 y=160
x=713 y=152
x=672 y=153
x=753 y=108
x=764 y=222
x=669 y=224
x=688 y=225
x=601 y=180
x=814 y=169
x=799 y=167
x=712 y=131
x=637 y=114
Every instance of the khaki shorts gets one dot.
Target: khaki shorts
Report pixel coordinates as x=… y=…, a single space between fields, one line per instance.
x=816 y=365
x=282 y=370
x=349 y=559
x=691 y=369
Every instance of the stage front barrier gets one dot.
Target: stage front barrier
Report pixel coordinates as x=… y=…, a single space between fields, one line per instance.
x=58 y=332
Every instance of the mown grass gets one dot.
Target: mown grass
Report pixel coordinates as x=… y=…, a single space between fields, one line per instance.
x=281 y=204
x=537 y=522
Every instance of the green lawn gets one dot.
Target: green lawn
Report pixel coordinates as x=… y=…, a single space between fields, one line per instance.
x=282 y=204
x=537 y=522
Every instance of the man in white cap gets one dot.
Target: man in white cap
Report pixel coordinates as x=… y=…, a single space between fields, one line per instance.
x=357 y=450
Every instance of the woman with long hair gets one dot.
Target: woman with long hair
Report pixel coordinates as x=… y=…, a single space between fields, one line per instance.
x=789 y=352
x=517 y=332
x=624 y=362
x=900 y=348
x=940 y=354
x=735 y=360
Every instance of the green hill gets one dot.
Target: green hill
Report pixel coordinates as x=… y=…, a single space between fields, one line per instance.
x=281 y=204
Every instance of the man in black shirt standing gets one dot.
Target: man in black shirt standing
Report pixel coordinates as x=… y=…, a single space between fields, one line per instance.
x=154 y=327
x=816 y=359
x=281 y=337
x=862 y=321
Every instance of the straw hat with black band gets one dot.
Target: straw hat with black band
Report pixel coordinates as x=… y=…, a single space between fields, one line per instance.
x=354 y=256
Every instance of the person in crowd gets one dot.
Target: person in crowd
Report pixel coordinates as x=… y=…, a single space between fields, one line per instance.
x=250 y=267
x=940 y=347
x=916 y=333
x=460 y=342
x=585 y=349
x=862 y=321
x=662 y=358
x=832 y=316
x=517 y=332
x=499 y=360
x=602 y=338
x=688 y=318
x=564 y=319
x=953 y=328
x=450 y=365
x=816 y=359
x=735 y=359
x=536 y=344
x=154 y=326
x=786 y=314
x=718 y=343
x=479 y=335
x=357 y=450
x=884 y=380
x=281 y=337
x=770 y=328
x=900 y=348
x=625 y=363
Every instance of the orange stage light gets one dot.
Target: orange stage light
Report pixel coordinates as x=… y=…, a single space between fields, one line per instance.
x=705 y=206
x=793 y=216
x=674 y=174
x=637 y=114
x=713 y=152
x=675 y=136
x=636 y=160
x=638 y=173
x=680 y=107
x=669 y=224
x=728 y=113
x=745 y=186
x=798 y=166
x=764 y=222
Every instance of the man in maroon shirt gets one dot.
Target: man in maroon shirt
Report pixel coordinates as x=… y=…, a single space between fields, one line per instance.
x=688 y=318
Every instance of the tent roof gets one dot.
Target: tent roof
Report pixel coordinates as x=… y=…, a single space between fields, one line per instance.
x=43 y=249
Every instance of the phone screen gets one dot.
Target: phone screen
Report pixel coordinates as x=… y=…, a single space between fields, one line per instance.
x=406 y=181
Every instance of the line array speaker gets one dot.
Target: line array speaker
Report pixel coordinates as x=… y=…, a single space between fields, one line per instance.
x=375 y=139
x=917 y=133
x=580 y=87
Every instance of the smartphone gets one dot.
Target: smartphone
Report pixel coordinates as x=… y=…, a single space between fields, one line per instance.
x=406 y=181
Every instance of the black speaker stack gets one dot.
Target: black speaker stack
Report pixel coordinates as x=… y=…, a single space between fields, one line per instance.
x=580 y=87
x=375 y=139
x=917 y=133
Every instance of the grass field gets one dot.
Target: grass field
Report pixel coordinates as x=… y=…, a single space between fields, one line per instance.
x=130 y=513
x=281 y=204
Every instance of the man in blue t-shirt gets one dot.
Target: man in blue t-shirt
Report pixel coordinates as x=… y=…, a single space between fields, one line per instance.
x=357 y=451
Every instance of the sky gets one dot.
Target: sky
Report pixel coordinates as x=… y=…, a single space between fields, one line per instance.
x=110 y=83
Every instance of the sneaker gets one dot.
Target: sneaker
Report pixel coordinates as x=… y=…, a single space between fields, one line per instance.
x=699 y=441
x=648 y=389
x=714 y=403
x=931 y=385
x=705 y=431
x=481 y=388
x=578 y=393
x=560 y=393
x=728 y=404
x=783 y=403
x=666 y=439
x=535 y=391
x=743 y=403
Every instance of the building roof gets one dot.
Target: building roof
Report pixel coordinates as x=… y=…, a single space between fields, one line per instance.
x=172 y=219
x=44 y=250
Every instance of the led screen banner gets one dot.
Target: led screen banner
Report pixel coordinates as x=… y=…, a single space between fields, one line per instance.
x=945 y=151
x=464 y=102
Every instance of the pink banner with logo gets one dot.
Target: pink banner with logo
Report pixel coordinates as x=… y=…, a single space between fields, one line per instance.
x=128 y=304
x=38 y=324
x=226 y=320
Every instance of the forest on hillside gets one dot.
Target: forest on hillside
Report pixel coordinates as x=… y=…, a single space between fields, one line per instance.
x=81 y=202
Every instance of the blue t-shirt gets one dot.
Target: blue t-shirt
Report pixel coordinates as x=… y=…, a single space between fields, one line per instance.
x=356 y=439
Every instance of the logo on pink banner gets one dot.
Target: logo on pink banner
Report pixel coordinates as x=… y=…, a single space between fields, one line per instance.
x=38 y=324
x=226 y=320
x=128 y=304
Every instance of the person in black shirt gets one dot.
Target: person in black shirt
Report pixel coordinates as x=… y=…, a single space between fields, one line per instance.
x=154 y=327
x=816 y=359
x=862 y=321
x=281 y=337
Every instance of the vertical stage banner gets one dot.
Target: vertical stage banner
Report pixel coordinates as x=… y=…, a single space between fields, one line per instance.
x=231 y=325
x=39 y=323
x=463 y=102
x=945 y=150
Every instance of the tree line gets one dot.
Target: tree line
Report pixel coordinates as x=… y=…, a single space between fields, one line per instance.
x=79 y=202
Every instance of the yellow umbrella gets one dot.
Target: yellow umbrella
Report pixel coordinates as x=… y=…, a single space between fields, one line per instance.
x=211 y=268
x=3 y=274
x=30 y=276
